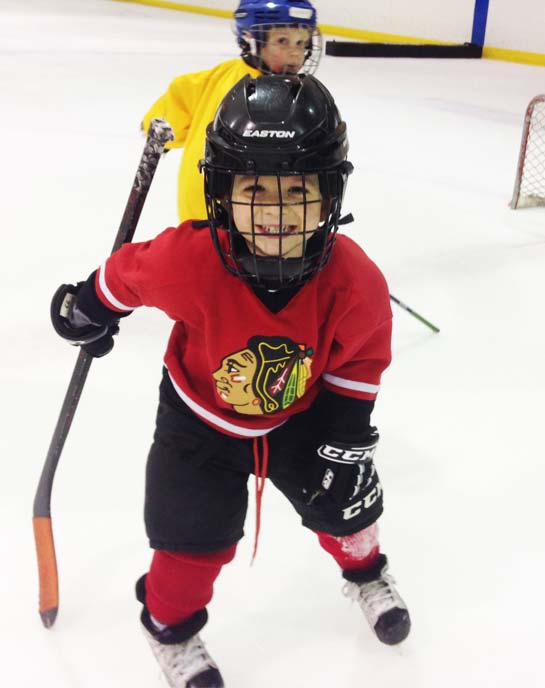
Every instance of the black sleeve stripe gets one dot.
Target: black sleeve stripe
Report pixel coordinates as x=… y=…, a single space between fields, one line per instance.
x=347 y=419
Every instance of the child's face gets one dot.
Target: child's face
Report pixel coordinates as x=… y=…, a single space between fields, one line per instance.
x=301 y=213
x=284 y=50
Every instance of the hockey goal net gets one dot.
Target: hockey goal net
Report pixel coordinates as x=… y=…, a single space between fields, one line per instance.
x=529 y=188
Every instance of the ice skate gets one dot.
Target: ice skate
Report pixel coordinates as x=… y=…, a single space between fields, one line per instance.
x=186 y=664
x=375 y=592
x=179 y=651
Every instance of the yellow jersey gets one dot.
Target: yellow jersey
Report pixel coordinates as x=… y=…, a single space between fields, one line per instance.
x=189 y=105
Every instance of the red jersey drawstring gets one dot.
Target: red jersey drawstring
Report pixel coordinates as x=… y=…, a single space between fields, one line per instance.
x=260 y=470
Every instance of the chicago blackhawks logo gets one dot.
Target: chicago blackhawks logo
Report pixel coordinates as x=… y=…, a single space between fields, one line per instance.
x=265 y=377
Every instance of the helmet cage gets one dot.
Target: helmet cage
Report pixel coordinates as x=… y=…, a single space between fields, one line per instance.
x=252 y=41
x=238 y=249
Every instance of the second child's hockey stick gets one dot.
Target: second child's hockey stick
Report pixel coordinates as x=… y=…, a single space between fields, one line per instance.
x=414 y=313
x=159 y=134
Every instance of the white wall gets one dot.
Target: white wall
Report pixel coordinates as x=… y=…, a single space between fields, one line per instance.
x=517 y=25
x=434 y=19
x=512 y=25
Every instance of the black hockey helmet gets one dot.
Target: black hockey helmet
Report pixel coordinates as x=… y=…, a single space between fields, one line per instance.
x=286 y=128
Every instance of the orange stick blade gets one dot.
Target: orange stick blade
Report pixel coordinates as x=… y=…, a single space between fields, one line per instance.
x=47 y=570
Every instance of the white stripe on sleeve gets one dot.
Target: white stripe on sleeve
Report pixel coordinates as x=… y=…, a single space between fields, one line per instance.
x=351 y=384
x=107 y=293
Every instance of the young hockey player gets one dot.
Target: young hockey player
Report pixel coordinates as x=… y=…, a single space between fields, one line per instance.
x=281 y=335
x=278 y=36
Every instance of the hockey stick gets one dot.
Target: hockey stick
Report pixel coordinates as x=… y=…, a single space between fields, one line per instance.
x=158 y=135
x=414 y=313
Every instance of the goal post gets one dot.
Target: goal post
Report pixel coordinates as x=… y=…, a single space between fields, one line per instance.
x=529 y=189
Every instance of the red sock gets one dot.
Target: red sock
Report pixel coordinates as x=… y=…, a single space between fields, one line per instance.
x=351 y=552
x=180 y=583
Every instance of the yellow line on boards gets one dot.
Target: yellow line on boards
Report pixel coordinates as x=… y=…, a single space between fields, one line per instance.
x=196 y=9
x=514 y=56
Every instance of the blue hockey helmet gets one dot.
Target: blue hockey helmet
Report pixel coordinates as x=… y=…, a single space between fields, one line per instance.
x=255 y=18
x=284 y=12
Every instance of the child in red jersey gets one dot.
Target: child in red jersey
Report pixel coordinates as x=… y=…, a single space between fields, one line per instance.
x=281 y=335
x=275 y=36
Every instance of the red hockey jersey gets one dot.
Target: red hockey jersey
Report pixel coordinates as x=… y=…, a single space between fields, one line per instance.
x=238 y=366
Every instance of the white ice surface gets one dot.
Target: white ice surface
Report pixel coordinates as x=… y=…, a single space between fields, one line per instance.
x=435 y=145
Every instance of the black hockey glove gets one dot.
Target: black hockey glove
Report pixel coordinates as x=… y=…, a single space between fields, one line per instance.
x=76 y=327
x=342 y=470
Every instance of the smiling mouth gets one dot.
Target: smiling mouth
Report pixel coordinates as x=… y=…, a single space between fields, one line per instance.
x=275 y=230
